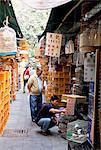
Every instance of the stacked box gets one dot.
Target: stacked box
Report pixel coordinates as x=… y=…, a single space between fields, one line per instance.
x=23 y=44
x=44 y=64
x=17 y=76
x=4 y=99
x=58 y=83
x=23 y=49
x=13 y=83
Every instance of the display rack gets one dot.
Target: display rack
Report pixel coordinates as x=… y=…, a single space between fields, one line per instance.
x=4 y=99
x=58 y=82
x=13 y=83
x=97 y=127
x=9 y=63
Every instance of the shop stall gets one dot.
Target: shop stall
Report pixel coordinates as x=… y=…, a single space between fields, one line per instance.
x=9 y=30
x=73 y=52
x=4 y=99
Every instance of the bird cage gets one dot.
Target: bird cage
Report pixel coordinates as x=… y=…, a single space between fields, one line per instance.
x=86 y=41
x=7 y=40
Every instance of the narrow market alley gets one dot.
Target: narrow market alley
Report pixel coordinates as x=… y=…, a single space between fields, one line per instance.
x=55 y=58
x=21 y=134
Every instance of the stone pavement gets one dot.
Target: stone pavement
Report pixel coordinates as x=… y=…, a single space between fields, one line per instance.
x=21 y=134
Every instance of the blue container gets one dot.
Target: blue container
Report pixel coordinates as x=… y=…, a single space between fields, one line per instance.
x=91 y=87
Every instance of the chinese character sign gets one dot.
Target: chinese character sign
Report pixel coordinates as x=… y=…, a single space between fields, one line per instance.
x=53 y=44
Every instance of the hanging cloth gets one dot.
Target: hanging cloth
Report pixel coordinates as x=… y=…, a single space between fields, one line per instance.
x=69 y=48
x=42 y=43
x=80 y=59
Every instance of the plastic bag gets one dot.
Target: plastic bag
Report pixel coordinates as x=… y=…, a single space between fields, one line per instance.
x=26 y=77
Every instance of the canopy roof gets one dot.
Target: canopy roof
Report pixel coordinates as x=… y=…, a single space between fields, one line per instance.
x=66 y=18
x=58 y=14
x=6 y=9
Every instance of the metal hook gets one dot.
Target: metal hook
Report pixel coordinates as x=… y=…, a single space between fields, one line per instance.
x=5 y=22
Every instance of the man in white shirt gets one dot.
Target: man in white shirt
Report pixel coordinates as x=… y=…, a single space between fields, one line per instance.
x=35 y=90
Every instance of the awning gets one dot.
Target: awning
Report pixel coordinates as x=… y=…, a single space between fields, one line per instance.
x=70 y=24
x=66 y=19
x=45 y=4
x=6 y=9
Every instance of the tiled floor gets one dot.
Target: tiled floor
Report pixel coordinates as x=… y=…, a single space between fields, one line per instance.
x=21 y=134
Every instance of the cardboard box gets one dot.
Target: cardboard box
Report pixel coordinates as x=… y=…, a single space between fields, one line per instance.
x=78 y=98
x=71 y=100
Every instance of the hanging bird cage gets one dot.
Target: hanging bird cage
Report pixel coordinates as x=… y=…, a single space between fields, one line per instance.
x=8 y=43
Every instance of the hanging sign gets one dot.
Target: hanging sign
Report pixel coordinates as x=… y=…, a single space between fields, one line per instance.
x=89 y=68
x=53 y=44
x=71 y=106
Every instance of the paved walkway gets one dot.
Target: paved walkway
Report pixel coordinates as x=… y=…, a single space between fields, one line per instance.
x=21 y=134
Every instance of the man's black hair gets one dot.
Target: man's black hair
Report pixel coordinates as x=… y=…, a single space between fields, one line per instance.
x=54 y=97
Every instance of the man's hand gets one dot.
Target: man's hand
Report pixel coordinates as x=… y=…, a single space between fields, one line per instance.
x=64 y=110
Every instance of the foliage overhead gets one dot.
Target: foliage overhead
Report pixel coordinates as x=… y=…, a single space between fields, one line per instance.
x=32 y=22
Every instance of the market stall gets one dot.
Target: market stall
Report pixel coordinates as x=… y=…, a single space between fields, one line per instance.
x=78 y=52
x=9 y=30
x=4 y=99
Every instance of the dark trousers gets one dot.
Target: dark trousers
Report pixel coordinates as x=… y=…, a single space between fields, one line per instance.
x=35 y=105
x=25 y=82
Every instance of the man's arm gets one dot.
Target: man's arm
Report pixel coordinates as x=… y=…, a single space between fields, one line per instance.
x=30 y=83
x=53 y=110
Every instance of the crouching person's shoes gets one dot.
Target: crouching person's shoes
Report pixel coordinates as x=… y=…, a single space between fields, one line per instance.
x=33 y=120
x=45 y=132
x=48 y=132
